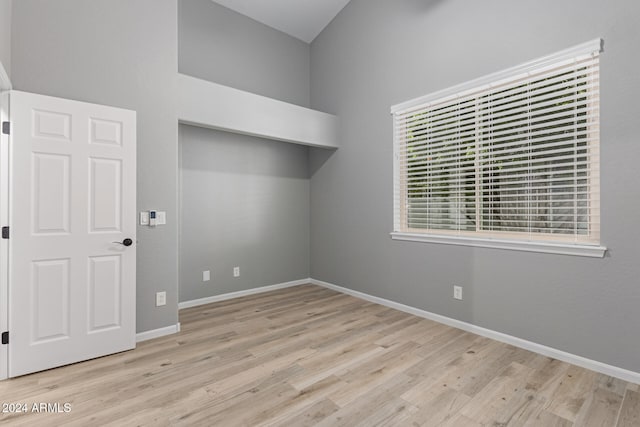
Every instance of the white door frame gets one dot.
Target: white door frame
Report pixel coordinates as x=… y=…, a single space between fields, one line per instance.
x=5 y=87
x=4 y=244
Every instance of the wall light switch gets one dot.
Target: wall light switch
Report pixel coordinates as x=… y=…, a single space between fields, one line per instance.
x=161 y=218
x=144 y=218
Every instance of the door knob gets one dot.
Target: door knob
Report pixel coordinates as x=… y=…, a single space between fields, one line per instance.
x=125 y=242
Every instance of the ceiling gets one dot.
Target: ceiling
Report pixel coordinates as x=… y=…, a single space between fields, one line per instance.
x=303 y=19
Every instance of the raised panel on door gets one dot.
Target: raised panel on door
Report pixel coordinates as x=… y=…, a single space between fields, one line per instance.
x=105 y=194
x=50 y=308
x=51 y=186
x=51 y=124
x=105 y=131
x=72 y=199
x=105 y=293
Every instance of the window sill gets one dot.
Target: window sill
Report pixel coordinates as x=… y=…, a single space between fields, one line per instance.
x=592 y=251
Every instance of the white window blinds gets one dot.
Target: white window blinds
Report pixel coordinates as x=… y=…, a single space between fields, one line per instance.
x=514 y=155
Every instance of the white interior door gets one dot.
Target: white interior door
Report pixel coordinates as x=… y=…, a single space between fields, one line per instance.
x=72 y=206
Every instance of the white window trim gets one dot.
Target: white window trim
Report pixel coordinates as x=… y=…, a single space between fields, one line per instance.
x=586 y=250
x=593 y=251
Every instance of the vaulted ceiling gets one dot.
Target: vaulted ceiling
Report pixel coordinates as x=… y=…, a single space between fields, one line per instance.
x=303 y=19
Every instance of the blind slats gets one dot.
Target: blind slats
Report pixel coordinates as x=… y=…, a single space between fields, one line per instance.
x=501 y=145
x=579 y=114
x=524 y=118
x=488 y=166
x=518 y=156
x=526 y=103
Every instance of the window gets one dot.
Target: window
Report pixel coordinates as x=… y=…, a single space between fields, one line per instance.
x=510 y=160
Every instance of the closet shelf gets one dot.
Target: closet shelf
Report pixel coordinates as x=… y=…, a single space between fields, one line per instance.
x=211 y=105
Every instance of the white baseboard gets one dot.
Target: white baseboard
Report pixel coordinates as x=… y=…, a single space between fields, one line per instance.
x=593 y=365
x=231 y=295
x=157 y=333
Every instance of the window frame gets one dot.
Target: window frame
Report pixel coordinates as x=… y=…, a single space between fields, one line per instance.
x=551 y=243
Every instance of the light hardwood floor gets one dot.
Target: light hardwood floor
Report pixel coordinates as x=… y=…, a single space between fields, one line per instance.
x=310 y=356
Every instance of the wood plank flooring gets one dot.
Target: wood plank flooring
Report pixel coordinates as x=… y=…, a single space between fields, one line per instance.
x=309 y=356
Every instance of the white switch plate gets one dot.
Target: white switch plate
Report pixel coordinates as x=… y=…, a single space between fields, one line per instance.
x=206 y=276
x=161 y=218
x=161 y=299
x=144 y=218
x=236 y=271
x=457 y=292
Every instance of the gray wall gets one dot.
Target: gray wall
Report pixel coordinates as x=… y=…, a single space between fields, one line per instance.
x=245 y=202
x=5 y=34
x=125 y=53
x=377 y=53
x=222 y=46
x=121 y=53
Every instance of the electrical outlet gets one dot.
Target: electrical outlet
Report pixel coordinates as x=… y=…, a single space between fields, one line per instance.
x=161 y=299
x=457 y=292
x=236 y=271
x=206 y=276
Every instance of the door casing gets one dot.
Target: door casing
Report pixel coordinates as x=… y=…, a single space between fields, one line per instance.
x=4 y=244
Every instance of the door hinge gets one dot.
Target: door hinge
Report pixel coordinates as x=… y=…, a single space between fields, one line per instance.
x=6 y=128
x=5 y=232
x=5 y=337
